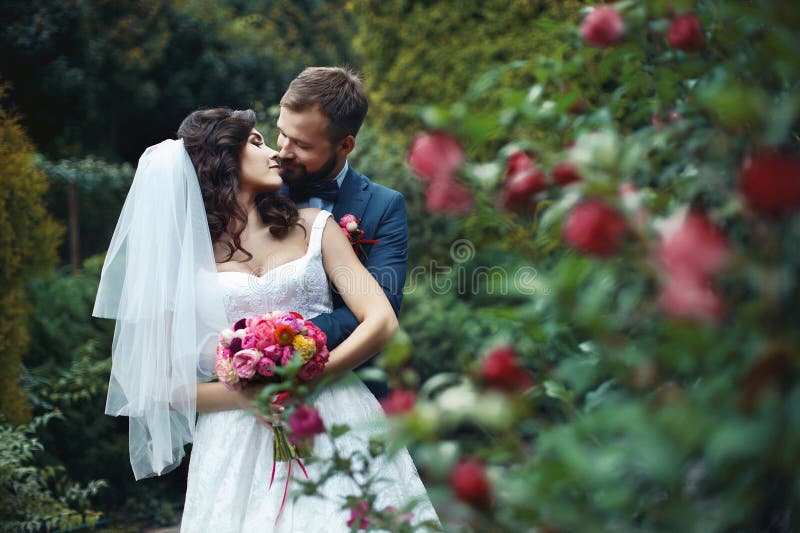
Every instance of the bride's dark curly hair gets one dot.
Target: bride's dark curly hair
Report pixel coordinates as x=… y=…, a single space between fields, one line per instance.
x=214 y=139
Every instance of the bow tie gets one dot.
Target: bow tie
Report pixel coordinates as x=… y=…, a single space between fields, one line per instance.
x=327 y=191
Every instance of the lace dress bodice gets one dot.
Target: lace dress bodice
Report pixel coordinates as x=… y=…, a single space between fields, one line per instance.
x=299 y=285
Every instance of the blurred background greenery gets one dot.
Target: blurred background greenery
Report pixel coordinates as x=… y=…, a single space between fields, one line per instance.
x=640 y=422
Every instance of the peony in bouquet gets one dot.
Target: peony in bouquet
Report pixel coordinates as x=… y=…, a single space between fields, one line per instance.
x=250 y=351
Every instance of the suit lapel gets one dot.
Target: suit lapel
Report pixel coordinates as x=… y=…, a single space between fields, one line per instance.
x=353 y=196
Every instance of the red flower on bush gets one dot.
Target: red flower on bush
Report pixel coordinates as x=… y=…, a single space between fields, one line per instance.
x=399 y=401
x=305 y=423
x=685 y=33
x=525 y=180
x=435 y=156
x=501 y=368
x=519 y=161
x=520 y=190
x=771 y=183
x=448 y=196
x=470 y=484
x=565 y=173
x=603 y=27
x=594 y=228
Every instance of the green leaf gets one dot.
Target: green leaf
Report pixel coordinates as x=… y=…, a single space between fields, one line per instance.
x=337 y=430
x=397 y=352
x=557 y=391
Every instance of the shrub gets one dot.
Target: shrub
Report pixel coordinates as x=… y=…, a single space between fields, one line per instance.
x=28 y=241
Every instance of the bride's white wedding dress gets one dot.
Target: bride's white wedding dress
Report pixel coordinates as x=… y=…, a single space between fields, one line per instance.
x=231 y=460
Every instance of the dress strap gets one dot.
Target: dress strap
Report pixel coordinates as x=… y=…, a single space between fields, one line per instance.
x=315 y=240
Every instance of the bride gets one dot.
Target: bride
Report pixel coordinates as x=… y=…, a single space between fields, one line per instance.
x=203 y=240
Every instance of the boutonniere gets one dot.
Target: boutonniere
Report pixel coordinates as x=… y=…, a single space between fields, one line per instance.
x=349 y=224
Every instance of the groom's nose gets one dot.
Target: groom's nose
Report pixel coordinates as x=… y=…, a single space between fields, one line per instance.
x=283 y=146
x=284 y=151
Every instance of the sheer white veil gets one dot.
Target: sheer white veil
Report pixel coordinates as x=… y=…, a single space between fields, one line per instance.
x=159 y=283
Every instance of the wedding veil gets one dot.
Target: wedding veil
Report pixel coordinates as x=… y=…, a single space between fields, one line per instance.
x=159 y=283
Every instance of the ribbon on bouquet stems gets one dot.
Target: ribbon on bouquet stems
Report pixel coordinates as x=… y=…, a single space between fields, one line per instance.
x=285 y=451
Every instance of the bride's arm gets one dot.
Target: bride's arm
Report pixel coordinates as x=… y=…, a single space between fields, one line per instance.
x=365 y=298
x=215 y=397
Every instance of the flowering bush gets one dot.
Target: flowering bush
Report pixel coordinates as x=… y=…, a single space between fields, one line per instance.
x=661 y=339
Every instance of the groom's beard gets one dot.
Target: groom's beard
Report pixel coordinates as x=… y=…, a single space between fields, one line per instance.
x=296 y=174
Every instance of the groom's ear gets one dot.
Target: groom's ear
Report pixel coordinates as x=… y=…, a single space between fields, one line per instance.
x=346 y=145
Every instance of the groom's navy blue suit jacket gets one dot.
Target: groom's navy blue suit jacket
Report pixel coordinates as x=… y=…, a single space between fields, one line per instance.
x=382 y=212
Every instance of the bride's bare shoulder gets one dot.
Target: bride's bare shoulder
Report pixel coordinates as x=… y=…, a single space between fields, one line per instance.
x=308 y=214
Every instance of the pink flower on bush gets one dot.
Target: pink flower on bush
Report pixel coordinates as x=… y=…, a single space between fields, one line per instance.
x=690 y=297
x=399 y=401
x=305 y=423
x=695 y=247
x=407 y=517
x=435 y=156
x=771 y=183
x=359 y=515
x=470 y=484
x=603 y=27
x=245 y=361
x=691 y=252
x=594 y=228
x=448 y=196
x=685 y=33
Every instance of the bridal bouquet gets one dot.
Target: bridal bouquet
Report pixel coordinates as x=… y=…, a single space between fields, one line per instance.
x=252 y=350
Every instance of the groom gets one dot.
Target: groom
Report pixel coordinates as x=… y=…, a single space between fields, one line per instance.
x=321 y=113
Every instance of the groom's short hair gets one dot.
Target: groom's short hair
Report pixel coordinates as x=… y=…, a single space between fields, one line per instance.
x=338 y=91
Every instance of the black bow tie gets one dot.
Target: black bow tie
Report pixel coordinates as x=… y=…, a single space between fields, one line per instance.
x=327 y=191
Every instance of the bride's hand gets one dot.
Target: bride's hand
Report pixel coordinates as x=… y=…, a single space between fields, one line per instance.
x=246 y=398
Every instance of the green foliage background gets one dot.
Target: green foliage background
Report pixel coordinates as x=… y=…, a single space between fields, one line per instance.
x=28 y=240
x=638 y=423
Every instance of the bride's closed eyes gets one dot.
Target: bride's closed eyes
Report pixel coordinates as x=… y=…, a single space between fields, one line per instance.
x=257 y=140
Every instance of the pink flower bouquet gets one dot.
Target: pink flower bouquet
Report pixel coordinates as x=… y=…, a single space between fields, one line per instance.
x=250 y=351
